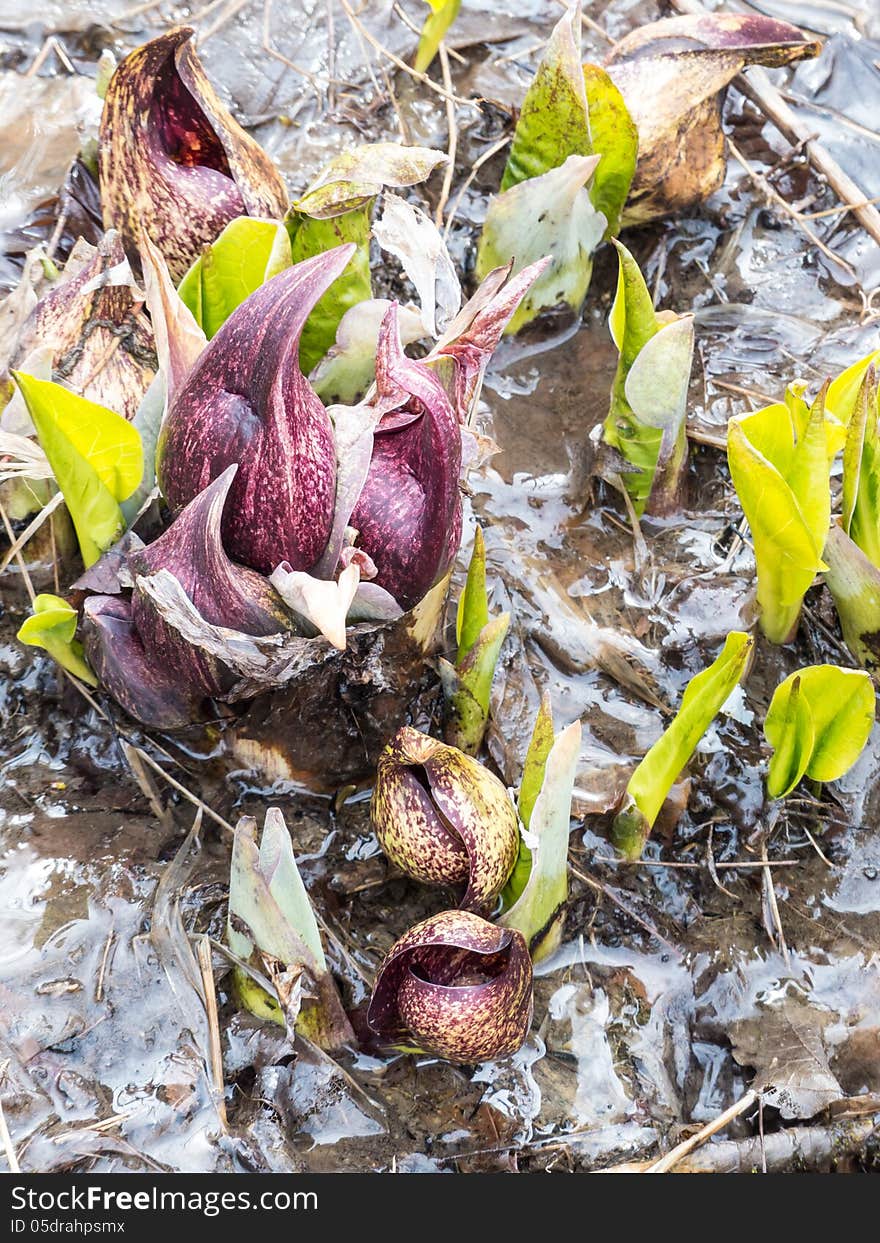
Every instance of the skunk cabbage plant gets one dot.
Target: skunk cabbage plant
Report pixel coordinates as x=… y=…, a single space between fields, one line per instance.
x=443 y=818
x=566 y=179
x=246 y=402
x=654 y=777
x=173 y=163
x=672 y=75
x=646 y=422
x=455 y=986
x=468 y=683
x=818 y=723
x=780 y=459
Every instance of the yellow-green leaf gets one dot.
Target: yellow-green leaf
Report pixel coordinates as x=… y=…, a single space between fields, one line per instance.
x=539 y=911
x=473 y=605
x=705 y=695
x=787 y=543
x=96 y=457
x=52 y=626
x=443 y=14
x=534 y=767
x=247 y=253
x=818 y=723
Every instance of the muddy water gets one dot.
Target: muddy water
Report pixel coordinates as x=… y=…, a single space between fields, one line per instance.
x=672 y=989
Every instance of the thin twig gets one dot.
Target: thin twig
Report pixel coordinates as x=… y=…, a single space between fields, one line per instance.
x=774 y=906
x=99 y=986
x=676 y=1154
x=772 y=193
x=31 y=529
x=5 y=1137
x=216 y=1049
x=466 y=184
x=452 y=146
x=401 y=64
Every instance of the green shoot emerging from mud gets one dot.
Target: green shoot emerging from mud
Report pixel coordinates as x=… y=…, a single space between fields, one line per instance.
x=52 y=626
x=780 y=459
x=443 y=14
x=571 y=163
x=649 y=785
x=468 y=683
x=538 y=888
x=818 y=723
x=646 y=421
x=272 y=929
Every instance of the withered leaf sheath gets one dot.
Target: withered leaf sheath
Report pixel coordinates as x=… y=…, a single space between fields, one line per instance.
x=172 y=161
x=443 y=818
x=455 y=986
x=154 y=672
x=246 y=401
x=409 y=512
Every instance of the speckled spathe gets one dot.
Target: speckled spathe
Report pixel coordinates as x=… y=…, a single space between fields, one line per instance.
x=172 y=161
x=443 y=817
x=246 y=401
x=408 y=515
x=455 y=986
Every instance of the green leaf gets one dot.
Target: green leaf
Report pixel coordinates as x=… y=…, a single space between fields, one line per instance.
x=247 y=253
x=269 y=908
x=443 y=14
x=311 y=236
x=818 y=723
x=473 y=605
x=843 y=392
x=861 y=471
x=530 y=787
x=646 y=419
x=553 y=121
x=547 y=215
x=96 y=457
x=787 y=504
x=468 y=686
x=574 y=109
x=789 y=728
x=539 y=911
x=854 y=582
x=654 y=777
x=52 y=626
x=615 y=138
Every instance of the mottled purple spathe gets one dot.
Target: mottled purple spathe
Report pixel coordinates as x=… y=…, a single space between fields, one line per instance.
x=246 y=401
x=173 y=163
x=225 y=594
x=409 y=513
x=137 y=681
x=158 y=676
x=456 y=986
